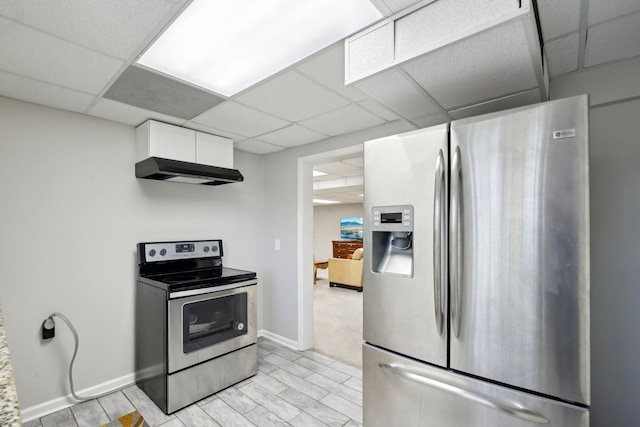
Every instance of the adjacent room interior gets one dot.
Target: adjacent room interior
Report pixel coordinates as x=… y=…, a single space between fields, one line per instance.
x=337 y=300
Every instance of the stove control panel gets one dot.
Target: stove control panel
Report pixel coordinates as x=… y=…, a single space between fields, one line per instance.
x=170 y=251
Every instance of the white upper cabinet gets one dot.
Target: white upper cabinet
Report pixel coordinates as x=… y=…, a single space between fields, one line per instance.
x=157 y=139
x=214 y=150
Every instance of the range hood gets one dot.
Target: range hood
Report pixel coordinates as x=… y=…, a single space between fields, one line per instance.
x=192 y=173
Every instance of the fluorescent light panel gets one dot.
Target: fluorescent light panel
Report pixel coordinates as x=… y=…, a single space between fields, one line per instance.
x=228 y=45
x=324 y=202
x=318 y=173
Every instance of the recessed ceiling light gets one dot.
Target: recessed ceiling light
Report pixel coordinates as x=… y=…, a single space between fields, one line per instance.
x=324 y=202
x=228 y=45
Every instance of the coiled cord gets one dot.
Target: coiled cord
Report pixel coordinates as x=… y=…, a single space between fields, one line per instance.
x=73 y=359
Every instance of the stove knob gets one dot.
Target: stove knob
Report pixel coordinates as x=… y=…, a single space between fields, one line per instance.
x=152 y=252
x=206 y=248
x=163 y=252
x=214 y=248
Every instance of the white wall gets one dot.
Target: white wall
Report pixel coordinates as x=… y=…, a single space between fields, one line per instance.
x=326 y=226
x=72 y=212
x=615 y=237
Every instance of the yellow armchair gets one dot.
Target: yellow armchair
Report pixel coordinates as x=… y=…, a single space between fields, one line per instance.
x=347 y=272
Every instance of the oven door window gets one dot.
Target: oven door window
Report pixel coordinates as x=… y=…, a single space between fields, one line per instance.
x=211 y=321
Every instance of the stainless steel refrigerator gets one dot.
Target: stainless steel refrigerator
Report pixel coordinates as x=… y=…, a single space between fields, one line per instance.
x=476 y=286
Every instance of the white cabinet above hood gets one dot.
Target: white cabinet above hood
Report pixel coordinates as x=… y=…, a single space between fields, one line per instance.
x=173 y=153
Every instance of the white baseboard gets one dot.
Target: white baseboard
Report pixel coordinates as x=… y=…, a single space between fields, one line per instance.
x=54 y=405
x=279 y=339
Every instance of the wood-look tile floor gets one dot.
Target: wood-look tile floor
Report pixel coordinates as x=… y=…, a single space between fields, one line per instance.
x=292 y=388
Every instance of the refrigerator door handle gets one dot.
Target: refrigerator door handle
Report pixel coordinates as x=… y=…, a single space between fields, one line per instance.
x=455 y=241
x=420 y=377
x=438 y=271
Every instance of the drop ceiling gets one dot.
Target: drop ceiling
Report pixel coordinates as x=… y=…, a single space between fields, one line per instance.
x=342 y=180
x=70 y=55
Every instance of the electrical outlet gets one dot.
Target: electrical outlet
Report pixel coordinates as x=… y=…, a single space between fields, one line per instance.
x=48 y=328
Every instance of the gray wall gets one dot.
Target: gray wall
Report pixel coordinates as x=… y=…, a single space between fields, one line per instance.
x=71 y=214
x=615 y=237
x=326 y=225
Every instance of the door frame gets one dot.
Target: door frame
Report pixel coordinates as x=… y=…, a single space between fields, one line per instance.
x=305 y=237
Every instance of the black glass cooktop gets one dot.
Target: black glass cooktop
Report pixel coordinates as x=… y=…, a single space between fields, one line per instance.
x=194 y=279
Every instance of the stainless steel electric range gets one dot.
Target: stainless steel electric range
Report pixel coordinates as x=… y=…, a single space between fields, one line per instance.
x=195 y=322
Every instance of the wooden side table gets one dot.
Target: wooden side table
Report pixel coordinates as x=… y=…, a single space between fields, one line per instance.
x=319 y=263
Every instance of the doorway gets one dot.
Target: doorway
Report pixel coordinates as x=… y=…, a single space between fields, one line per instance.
x=306 y=255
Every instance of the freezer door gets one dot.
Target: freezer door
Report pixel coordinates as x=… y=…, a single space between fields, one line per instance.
x=405 y=296
x=398 y=391
x=520 y=248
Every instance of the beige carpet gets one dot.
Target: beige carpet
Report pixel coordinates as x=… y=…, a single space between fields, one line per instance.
x=337 y=321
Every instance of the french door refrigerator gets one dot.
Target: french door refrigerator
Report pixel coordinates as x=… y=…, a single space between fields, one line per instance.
x=476 y=289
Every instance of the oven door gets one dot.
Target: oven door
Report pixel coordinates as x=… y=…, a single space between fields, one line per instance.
x=210 y=324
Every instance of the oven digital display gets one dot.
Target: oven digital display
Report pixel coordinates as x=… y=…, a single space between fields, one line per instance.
x=391 y=218
x=185 y=247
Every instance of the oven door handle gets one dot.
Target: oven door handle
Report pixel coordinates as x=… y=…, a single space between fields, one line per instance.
x=201 y=291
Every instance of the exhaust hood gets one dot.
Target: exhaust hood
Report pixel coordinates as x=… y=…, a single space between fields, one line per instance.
x=192 y=173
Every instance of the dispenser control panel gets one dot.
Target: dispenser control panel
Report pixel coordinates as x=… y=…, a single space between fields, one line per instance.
x=392 y=218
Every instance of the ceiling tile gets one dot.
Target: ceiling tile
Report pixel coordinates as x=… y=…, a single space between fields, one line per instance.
x=257 y=147
x=125 y=113
x=292 y=136
x=339 y=184
x=326 y=177
x=613 y=40
x=431 y=120
x=490 y=65
x=558 y=18
x=398 y=5
x=357 y=162
x=373 y=49
x=602 y=10
x=512 y=101
x=155 y=92
x=114 y=27
x=338 y=168
x=379 y=110
x=292 y=96
x=396 y=91
x=562 y=54
x=347 y=119
x=33 y=54
x=327 y=68
x=436 y=25
x=233 y=117
x=354 y=172
x=29 y=90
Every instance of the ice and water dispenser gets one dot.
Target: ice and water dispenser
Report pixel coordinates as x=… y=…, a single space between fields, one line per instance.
x=392 y=240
